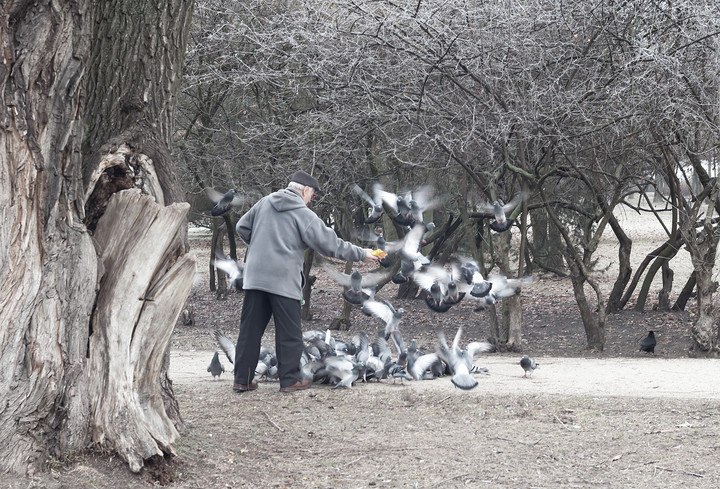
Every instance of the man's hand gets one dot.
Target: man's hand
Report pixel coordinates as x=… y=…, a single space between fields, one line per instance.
x=369 y=257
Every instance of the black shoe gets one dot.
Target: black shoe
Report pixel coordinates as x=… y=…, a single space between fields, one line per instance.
x=245 y=387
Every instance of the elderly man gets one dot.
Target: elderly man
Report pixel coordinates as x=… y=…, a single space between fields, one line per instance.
x=277 y=230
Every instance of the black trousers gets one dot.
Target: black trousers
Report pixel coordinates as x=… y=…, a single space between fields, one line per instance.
x=258 y=306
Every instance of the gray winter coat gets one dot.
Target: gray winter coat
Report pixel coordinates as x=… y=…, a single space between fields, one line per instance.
x=278 y=229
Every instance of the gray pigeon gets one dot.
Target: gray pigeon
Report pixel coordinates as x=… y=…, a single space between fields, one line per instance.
x=500 y=211
x=443 y=289
x=215 y=367
x=469 y=279
x=528 y=365
x=461 y=377
x=386 y=313
x=358 y=285
x=267 y=362
x=226 y=345
x=376 y=203
x=344 y=370
x=421 y=367
x=223 y=203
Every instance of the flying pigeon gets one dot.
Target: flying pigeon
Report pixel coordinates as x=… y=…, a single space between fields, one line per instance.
x=223 y=203
x=468 y=277
x=443 y=289
x=376 y=203
x=357 y=284
x=409 y=247
x=215 y=367
x=528 y=365
x=386 y=313
x=233 y=269
x=648 y=344
x=500 y=211
x=461 y=377
x=471 y=350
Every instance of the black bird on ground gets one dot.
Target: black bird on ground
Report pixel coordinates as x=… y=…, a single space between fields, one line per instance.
x=648 y=344
x=215 y=367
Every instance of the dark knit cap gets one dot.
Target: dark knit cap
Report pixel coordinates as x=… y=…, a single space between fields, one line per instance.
x=305 y=179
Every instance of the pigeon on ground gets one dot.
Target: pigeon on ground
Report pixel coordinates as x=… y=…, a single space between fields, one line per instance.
x=648 y=344
x=397 y=371
x=343 y=369
x=500 y=211
x=267 y=365
x=375 y=368
x=223 y=203
x=233 y=269
x=215 y=367
x=400 y=347
x=362 y=345
x=528 y=365
x=386 y=313
x=267 y=361
x=376 y=202
x=421 y=367
x=345 y=348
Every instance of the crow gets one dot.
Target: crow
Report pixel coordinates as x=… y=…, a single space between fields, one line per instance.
x=648 y=344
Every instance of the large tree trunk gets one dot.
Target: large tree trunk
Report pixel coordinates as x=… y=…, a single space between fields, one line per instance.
x=703 y=250
x=92 y=275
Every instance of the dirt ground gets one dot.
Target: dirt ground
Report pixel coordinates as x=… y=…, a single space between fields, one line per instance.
x=617 y=418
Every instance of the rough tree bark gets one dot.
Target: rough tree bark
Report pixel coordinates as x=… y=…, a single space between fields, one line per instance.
x=93 y=257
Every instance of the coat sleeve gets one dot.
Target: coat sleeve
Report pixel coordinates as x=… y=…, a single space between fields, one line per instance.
x=324 y=240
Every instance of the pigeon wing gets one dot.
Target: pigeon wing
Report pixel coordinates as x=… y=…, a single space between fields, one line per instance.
x=474 y=348
x=227 y=346
x=340 y=277
x=379 y=310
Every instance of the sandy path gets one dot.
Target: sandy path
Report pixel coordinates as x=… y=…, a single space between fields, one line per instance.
x=679 y=378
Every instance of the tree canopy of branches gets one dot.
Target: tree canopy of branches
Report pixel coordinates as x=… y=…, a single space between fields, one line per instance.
x=580 y=104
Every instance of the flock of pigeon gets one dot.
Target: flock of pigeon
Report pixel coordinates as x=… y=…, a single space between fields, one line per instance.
x=330 y=360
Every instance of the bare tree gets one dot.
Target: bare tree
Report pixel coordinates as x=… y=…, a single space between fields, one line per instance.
x=93 y=244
